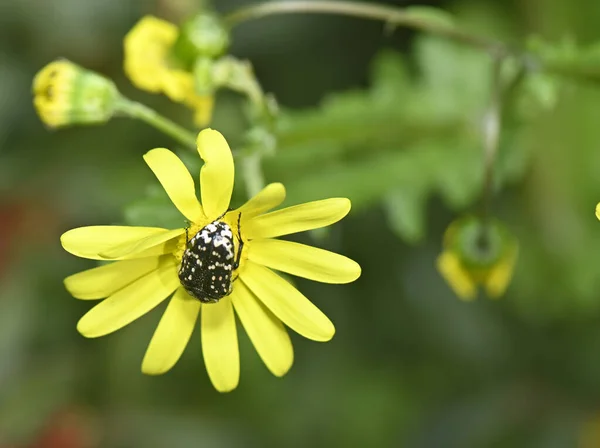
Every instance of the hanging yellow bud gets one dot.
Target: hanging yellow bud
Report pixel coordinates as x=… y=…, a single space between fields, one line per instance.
x=153 y=63
x=67 y=94
x=147 y=47
x=478 y=252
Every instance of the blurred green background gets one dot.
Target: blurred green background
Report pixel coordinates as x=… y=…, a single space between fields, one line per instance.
x=387 y=119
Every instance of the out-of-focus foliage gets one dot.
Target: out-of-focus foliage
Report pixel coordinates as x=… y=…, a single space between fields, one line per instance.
x=409 y=136
x=391 y=120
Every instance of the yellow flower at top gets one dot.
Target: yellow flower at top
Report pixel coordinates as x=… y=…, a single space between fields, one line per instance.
x=223 y=262
x=150 y=65
x=477 y=253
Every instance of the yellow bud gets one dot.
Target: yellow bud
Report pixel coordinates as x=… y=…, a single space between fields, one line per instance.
x=66 y=94
x=146 y=48
x=451 y=269
x=152 y=64
x=478 y=252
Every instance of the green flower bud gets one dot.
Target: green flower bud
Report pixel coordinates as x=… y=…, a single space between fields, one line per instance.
x=202 y=35
x=66 y=94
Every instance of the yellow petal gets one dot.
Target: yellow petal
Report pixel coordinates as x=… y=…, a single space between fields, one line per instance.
x=216 y=176
x=166 y=241
x=500 y=276
x=287 y=303
x=457 y=278
x=266 y=332
x=304 y=261
x=269 y=197
x=598 y=210
x=104 y=281
x=299 y=218
x=177 y=182
x=131 y=302
x=203 y=106
x=89 y=242
x=220 y=344
x=146 y=47
x=177 y=84
x=172 y=334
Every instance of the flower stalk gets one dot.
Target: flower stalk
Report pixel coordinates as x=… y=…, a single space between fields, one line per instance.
x=491 y=135
x=142 y=112
x=252 y=173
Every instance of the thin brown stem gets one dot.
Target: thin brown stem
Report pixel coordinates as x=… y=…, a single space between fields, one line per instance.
x=491 y=135
x=387 y=14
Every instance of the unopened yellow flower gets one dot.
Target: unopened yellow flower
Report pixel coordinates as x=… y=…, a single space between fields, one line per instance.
x=150 y=266
x=66 y=94
x=151 y=66
x=477 y=253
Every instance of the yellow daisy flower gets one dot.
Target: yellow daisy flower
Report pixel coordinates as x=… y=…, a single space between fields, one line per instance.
x=477 y=253
x=65 y=94
x=155 y=263
x=150 y=66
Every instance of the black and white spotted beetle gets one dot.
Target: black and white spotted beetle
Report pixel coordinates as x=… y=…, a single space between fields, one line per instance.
x=208 y=261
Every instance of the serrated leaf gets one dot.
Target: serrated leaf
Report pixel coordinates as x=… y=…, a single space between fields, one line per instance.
x=421 y=135
x=538 y=93
x=390 y=77
x=460 y=173
x=405 y=211
x=514 y=157
x=455 y=78
x=363 y=182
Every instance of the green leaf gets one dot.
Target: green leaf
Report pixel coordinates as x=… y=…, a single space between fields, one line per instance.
x=460 y=174
x=514 y=156
x=390 y=78
x=567 y=58
x=156 y=210
x=455 y=78
x=538 y=93
x=399 y=141
x=405 y=211
x=363 y=182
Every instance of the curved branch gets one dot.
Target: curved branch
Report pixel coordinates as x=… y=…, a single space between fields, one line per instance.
x=388 y=14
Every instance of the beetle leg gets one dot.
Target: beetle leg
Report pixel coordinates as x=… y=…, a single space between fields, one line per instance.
x=238 y=257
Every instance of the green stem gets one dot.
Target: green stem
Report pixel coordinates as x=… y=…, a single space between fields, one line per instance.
x=405 y=17
x=252 y=172
x=388 y=14
x=141 y=112
x=491 y=135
